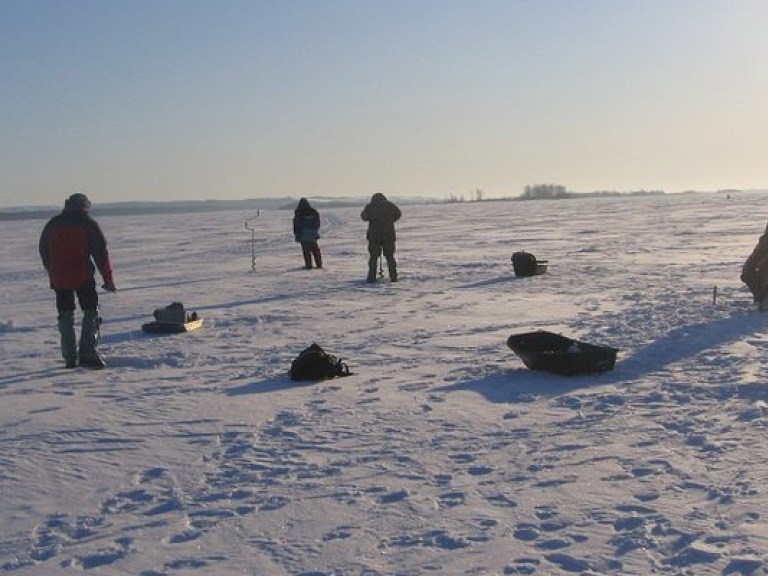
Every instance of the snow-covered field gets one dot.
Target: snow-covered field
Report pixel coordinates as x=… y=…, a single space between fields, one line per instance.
x=442 y=454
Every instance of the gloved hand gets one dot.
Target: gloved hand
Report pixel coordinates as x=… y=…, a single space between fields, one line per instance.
x=109 y=285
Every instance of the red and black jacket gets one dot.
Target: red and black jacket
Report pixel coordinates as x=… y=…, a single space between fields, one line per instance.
x=69 y=246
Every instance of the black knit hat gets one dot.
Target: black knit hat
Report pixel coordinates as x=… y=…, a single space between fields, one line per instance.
x=77 y=202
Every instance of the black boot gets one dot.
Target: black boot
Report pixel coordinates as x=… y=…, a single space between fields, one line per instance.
x=93 y=361
x=68 y=338
x=392 y=269
x=371 y=273
x=89 y=341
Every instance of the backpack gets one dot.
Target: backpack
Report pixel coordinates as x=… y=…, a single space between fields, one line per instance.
x=524 y=264
x=314 y=363
x=174 y=313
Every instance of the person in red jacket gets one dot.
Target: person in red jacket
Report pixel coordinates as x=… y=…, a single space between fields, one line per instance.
x=70 y=244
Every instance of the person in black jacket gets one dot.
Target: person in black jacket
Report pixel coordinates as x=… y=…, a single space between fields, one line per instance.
x=306 y=231
x=381 y=215
x=72 y=246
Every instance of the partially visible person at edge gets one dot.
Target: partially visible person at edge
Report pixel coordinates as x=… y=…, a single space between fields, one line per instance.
x=754 y=273
x=306 y=231
x=381 y=215
x=70 y=244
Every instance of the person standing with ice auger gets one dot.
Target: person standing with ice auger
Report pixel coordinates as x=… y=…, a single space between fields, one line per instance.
x=381 y=215
x=69 y=246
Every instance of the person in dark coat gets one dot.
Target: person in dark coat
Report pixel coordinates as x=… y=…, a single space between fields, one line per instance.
x=72 y=246
x=754 y=273
x=306 y=231
x=381 y=215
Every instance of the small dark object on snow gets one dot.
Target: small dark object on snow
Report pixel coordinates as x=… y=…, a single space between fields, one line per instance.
x=525 y=264
x=173 y=319
x=314 y=363
x=542 y=350
x=173 y=313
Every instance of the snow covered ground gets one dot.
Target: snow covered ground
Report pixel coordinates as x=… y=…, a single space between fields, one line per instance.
x=442 y=454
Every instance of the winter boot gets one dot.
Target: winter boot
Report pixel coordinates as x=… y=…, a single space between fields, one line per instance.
x=89 y=340
x=762 y=304
x=306 y=251
x=68 y=338
x=392 y=269
x=371 y=272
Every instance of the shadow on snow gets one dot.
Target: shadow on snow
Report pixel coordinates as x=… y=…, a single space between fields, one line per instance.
x=269 y=385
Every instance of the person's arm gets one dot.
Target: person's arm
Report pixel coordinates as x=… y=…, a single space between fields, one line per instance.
x=97 y=245
x=43 y=247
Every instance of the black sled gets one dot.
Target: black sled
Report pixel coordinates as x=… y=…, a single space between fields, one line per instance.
x=551 y=352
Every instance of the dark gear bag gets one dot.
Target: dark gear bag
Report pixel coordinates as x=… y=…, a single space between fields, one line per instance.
x=524 y=264
x=174 y=313
x=314 y=363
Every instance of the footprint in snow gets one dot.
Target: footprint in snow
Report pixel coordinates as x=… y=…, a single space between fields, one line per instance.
x=185 y=536
x=451 y=499
x=126 y=501
x=462 y=457
x=393 y=497
x=119 y=549
x=338 y=533
x=479 y=470
x=567 y=563
x=149 y=475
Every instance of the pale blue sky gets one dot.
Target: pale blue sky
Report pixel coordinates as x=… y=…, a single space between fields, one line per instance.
x=193 y=99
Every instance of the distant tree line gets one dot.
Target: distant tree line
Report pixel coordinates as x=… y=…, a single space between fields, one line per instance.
x=544 y=192
x=476 y=196
x=555 y=191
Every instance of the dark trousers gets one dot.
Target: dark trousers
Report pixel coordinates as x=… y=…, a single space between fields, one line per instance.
x=89 y=335
x=86 y=296
x=309 y=250
x=375 y=249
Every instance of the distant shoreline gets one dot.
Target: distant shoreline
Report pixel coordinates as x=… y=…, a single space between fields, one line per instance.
x=289 y=203
x=176 y=207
